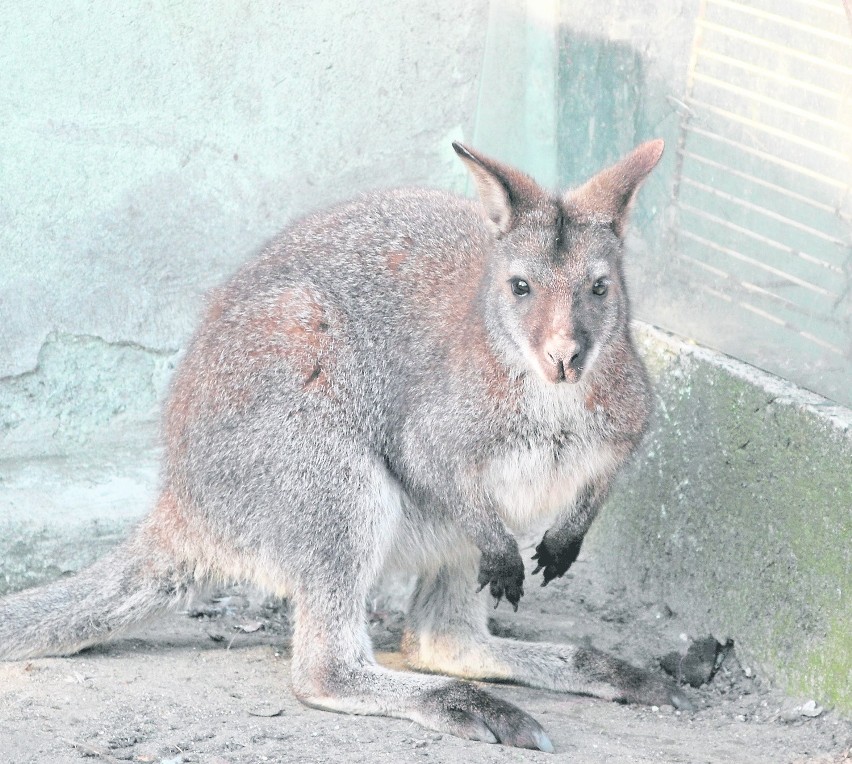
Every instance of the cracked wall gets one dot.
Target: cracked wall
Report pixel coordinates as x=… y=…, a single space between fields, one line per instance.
x=147 y=152
x=81 y=390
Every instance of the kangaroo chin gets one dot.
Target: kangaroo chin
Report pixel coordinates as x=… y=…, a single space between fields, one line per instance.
x=404 y=379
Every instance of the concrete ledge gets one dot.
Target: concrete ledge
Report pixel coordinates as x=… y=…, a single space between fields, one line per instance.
x=738 y=514
x=58 y=514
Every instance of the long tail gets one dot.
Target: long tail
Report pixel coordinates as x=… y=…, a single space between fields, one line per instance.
x=135 y=580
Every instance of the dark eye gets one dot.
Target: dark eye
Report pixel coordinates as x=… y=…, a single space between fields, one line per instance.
x=520 y=287
x=600 y=287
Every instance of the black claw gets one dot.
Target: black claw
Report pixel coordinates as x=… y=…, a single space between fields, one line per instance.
x=554 y=558
x=503 y=573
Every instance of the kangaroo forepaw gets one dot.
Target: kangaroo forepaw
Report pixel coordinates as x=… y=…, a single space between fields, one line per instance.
x=463 y=710
x=554 y=558
x=504 y=575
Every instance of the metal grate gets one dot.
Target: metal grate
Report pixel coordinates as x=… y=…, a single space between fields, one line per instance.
x=763 y=192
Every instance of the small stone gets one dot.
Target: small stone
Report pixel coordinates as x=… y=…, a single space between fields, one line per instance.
x=740 y=718
x=811 y=709
x=250 y=627
x=655 y=709
x=266 y=711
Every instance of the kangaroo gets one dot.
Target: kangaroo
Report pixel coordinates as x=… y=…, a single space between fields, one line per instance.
x=401 y=381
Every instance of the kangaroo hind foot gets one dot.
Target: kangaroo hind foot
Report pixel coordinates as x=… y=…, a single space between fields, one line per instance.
x=334 y=670
x=446 y=633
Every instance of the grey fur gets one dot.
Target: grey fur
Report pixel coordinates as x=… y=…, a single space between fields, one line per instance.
x=378 y=390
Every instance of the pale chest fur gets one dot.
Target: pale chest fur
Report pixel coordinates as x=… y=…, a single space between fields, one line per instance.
x=537 y=477
x=533 y=485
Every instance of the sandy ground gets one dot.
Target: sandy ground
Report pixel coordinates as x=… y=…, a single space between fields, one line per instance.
x=212 y=685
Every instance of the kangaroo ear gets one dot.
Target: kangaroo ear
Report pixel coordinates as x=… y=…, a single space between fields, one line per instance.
x=609 y=194
x=503 y=191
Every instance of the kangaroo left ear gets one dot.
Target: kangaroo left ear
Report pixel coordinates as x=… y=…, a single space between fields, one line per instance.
x=609 y=194
x=504 y=191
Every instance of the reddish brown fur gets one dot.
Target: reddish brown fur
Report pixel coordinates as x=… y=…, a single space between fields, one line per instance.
x=608 y=195
x=395 y=259
x=167 y=525
x=471 y=349
x=293 y=332
x=610 y=392
x=294 y=329
x=549 y=326
x=175 y=529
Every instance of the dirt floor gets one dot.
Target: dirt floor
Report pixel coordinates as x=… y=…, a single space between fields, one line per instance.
x=212 y=685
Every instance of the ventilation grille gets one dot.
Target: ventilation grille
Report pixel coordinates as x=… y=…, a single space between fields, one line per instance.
x=763 y=194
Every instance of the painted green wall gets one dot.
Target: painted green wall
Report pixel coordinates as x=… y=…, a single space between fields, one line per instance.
x=149 y=148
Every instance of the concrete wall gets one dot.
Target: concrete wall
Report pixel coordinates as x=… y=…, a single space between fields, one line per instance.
x=745 y=229
x=149 y=148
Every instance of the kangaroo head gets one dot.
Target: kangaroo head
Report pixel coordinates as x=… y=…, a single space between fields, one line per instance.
x=553 y=291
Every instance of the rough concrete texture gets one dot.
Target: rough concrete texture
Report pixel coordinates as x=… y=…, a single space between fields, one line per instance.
x=738 y=514
x=58 y=514
x=84 y=390
x=148 y=150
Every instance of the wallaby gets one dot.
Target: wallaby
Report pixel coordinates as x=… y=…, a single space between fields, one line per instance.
x=401 y=381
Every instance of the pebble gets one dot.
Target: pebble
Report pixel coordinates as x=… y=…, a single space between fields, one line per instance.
x=809 y=710
x=266 y=711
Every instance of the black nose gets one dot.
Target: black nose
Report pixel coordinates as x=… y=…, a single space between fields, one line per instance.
x=579 y=357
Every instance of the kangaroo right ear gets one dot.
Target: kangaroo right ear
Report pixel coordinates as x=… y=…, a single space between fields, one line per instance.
x=503 y=190
x=609 y=194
